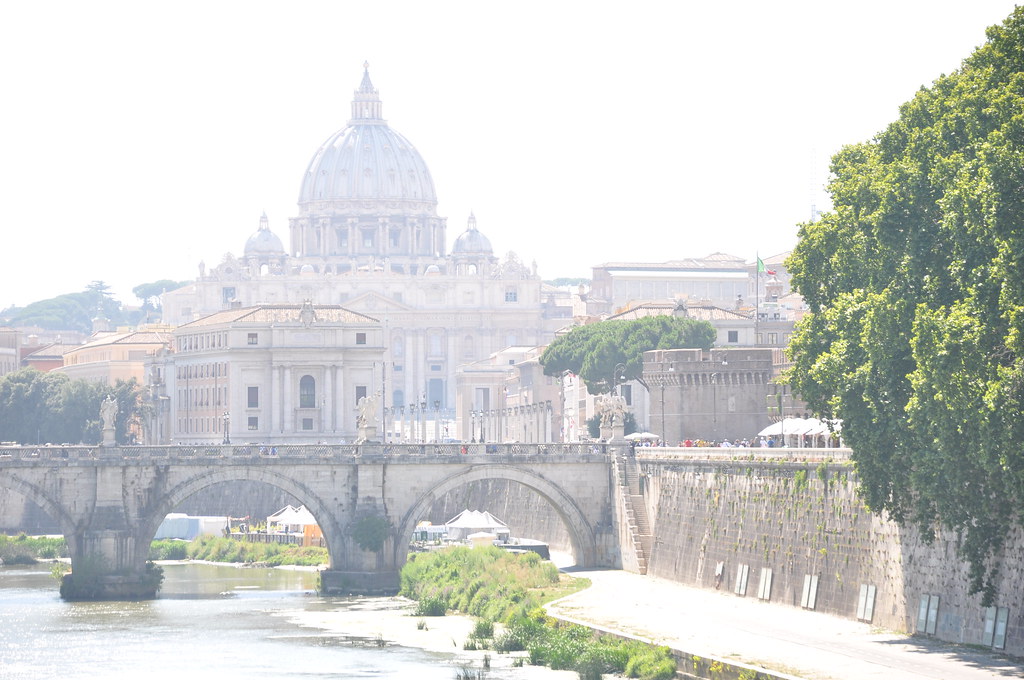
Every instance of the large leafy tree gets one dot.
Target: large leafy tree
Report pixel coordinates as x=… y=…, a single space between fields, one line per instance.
x=915 y=283
x=37 y=407
x=594 y=351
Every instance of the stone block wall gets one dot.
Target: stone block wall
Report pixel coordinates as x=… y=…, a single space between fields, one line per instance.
x=715 y=521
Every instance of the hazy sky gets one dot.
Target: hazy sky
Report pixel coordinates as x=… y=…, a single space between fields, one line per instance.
x=140 y=138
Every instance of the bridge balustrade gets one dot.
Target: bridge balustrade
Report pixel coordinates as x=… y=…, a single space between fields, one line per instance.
x=23 y=454
x=761 y=454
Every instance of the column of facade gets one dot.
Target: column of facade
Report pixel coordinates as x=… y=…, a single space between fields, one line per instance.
x=275 y=399
x=327 y=402
x=286 y=391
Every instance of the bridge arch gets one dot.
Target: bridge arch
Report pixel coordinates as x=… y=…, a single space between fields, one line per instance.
x=39 y=496
x=581 y=533
x=326 y=512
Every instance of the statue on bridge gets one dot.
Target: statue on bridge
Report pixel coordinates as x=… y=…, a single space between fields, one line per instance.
x=612 y=411
x=366 y=420
x=108 y=417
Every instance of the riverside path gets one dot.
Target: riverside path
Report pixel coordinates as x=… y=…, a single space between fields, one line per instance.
x=792 y=643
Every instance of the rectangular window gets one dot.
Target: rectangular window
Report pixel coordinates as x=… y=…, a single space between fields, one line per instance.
x=360 y=338
x=810 y=595
x=764 y=588
x=307 y=423
x=360 y=392
x=254 y=423
x=996 y=619
x=511 y=295
x=627 y=393
x=253 y=397
x=773 y=338
x=253 y=338
x=928 y=614
x=742 y=574
x=866 y=603
x=227 y=293
x=734 y=336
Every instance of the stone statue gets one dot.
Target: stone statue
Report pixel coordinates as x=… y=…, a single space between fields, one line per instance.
x=108 y=412
x=617 y=409
x=367 y=411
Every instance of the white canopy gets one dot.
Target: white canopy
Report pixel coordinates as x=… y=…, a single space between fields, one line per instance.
x=292 y=516
x=639 y=436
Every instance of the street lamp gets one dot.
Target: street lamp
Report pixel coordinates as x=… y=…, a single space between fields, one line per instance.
x=619 y=377
x=437 y=422
x=227 y=427
x=423 y=418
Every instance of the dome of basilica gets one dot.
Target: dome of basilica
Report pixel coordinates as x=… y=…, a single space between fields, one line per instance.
x=471 y=241
x=264 y=241
x=367 y=160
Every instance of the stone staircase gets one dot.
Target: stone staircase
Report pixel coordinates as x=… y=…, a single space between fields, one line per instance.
x=636 y=510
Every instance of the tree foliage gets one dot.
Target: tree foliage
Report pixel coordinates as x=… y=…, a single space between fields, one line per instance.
x=915 y=283
x=593 y=351
x=150 y=292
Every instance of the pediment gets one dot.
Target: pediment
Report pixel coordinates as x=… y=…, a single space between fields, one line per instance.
x=373 y=301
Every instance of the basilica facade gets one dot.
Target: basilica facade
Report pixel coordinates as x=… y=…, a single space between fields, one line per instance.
x=368 y=238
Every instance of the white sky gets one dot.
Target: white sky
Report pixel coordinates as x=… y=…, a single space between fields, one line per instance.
x=139 y=138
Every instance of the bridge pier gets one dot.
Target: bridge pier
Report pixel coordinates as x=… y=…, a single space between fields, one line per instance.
x=105 y=565
x=341 y=582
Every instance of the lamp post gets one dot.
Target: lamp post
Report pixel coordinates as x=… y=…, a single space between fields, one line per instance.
x=437 y=422
x=412 y=423
x=714 y=406
x=423 y=419
x=227 y=427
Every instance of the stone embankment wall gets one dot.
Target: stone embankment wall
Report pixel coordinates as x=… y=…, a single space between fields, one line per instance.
x=734 y=524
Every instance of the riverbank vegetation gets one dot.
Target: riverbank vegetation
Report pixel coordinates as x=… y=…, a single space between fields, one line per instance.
x=216 y=549
x=23 y=549
x=509 y=588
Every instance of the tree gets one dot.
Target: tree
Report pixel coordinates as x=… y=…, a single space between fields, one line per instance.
x=150 y=293
x=29 y=406
x=915 y=282
x=594 y=351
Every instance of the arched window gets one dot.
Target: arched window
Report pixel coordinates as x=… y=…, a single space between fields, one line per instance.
x=307 y=392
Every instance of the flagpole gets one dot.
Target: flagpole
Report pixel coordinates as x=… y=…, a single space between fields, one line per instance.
x=757 y=295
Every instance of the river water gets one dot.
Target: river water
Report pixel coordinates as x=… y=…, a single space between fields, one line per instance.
x=209 y=621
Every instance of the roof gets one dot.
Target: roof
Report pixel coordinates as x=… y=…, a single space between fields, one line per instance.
x=668 y=308
x=141 y=337
x=292 y=515
x=475 y=519
x=279 y=314
x=712 y=261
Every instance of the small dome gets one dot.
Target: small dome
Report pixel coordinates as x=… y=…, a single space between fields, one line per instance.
x=432 y=269
x=307 y=270
x=264 y=242
x=471 y=241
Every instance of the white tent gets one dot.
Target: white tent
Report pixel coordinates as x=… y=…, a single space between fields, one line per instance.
x=473 y=521
x=290 y=519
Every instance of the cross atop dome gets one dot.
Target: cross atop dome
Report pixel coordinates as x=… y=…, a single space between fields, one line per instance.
x=366 y=104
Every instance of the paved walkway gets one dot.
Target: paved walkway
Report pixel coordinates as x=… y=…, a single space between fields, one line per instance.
x=802 y=644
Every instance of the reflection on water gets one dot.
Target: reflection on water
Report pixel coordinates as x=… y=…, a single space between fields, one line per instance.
x=210 y=621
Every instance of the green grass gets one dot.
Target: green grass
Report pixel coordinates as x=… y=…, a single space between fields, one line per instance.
x=216 y=549
x=495 y=585
x=23 y=549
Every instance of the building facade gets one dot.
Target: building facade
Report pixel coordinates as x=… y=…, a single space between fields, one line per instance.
x=270 y=374
x=368 y=237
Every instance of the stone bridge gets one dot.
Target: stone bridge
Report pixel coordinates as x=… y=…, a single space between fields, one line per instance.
x=109 y=501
